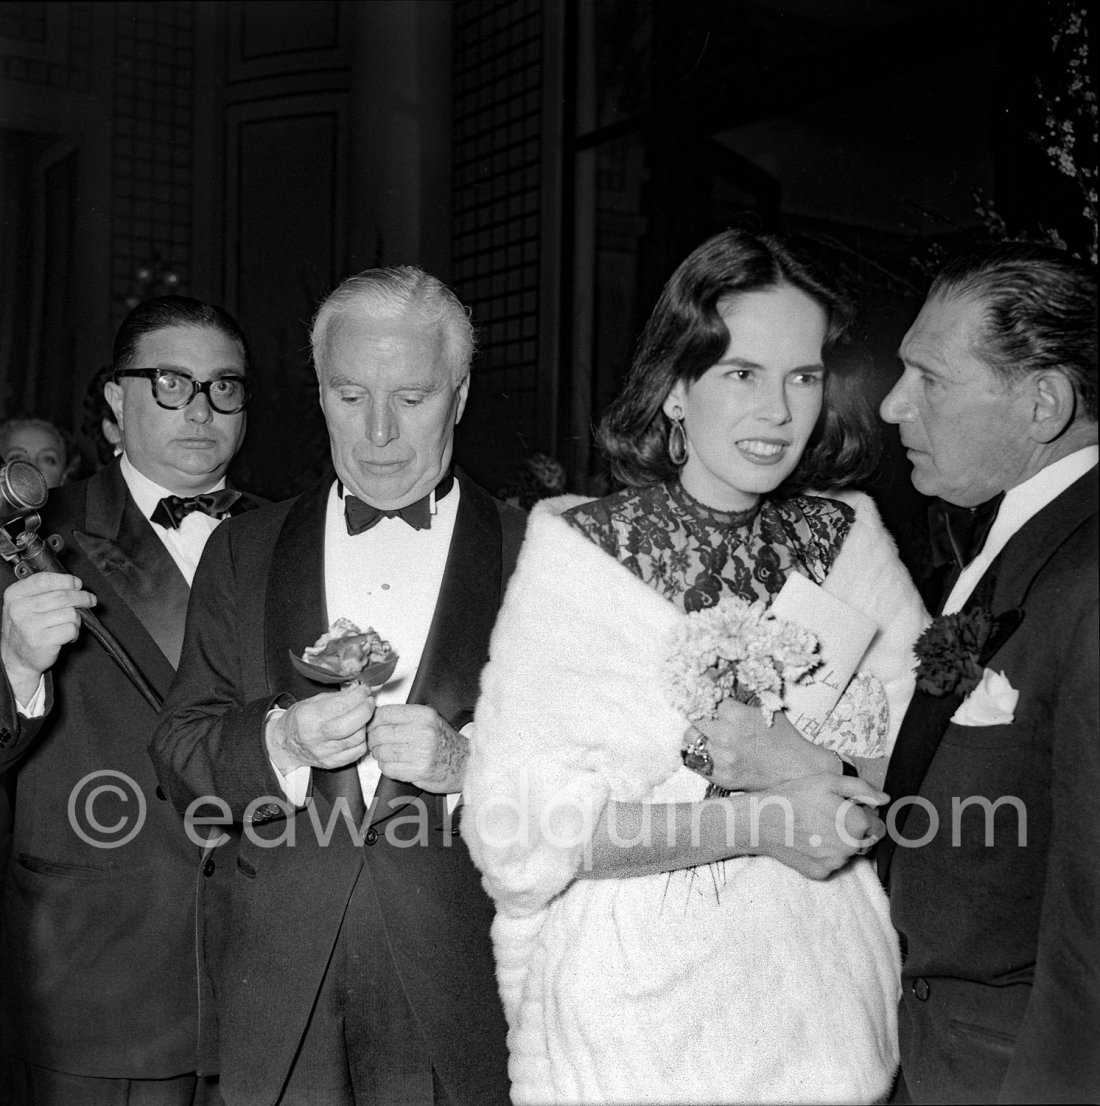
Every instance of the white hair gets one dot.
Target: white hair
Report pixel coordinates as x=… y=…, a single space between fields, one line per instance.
x=397 y=292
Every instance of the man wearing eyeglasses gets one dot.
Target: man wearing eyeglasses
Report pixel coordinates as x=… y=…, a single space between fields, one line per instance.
x=99 y=932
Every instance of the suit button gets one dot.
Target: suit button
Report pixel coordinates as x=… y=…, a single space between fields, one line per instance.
x=160 y=793
x=372 y=836
x=921 y=988
x=208 y=868
x=5 y=737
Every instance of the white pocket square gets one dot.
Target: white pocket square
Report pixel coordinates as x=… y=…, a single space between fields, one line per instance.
x=991 y=703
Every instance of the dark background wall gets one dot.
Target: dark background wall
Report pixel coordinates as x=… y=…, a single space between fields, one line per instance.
x=554 y=160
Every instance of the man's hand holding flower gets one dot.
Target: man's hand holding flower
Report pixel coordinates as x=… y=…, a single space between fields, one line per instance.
x=325 y=731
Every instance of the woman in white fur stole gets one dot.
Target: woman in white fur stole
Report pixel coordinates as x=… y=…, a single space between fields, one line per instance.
x=656 y=941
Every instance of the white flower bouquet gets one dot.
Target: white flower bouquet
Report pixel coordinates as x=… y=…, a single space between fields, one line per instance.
x=740 y=650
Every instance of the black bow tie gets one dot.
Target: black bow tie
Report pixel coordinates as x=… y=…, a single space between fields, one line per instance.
x=362 y=516
x=958 y=533
x=173 y=509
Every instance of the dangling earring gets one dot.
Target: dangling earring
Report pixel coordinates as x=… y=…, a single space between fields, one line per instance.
x=677 y=441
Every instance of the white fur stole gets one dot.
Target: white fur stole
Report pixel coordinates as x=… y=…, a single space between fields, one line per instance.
x=572 y=714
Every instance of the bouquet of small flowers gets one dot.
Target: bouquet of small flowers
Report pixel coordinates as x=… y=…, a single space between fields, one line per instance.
x=740 y=650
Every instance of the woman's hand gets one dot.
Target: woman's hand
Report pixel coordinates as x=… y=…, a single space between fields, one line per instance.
x=750 y=755
x=813 y=825
x=817 y=824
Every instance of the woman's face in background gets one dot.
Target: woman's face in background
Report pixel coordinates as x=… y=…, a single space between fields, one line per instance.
x=41 y=448
x=749 y=417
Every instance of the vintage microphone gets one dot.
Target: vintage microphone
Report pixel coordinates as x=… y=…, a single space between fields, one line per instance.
x=23 y=490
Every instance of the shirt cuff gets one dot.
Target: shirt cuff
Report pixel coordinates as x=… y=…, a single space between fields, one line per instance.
x=37 y=705
x=455 y=797
x=295 y=783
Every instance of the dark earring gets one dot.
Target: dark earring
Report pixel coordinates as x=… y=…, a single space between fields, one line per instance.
x=677 y=442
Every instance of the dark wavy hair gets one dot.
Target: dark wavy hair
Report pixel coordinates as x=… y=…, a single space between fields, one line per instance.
x=1040 y=311
x=685 y=336
x=163 y=312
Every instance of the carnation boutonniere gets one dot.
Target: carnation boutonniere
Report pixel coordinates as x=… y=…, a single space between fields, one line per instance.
x=954 y=648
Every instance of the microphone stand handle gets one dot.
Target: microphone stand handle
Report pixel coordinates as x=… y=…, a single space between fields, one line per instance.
x=119 y=656
x=37 y=555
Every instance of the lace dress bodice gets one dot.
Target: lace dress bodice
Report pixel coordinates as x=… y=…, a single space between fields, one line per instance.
x=695 y=555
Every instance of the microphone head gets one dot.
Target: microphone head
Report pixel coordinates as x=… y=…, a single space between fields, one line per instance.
x=22 y=489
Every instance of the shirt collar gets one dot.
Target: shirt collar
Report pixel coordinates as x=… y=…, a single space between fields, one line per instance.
x=1029 y=498
x=147 y=493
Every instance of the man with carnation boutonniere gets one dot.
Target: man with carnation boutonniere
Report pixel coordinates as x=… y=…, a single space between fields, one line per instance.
x=991 y=855
x=345 y=931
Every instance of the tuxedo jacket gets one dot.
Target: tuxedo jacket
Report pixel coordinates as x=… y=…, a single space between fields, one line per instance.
x=271 y=915
x=98 y=942
x=999 y=913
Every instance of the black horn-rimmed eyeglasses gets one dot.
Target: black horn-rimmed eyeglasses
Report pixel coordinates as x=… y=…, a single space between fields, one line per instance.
x=226 y=394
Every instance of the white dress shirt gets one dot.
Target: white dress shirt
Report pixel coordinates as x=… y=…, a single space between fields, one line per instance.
x=186 y=543
x=386 y=578
x=1019 y=505
x=185 y=546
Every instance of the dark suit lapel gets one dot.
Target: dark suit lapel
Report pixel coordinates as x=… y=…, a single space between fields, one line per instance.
x=919 y=737
x=245 y=503
x=921 y=731
x=1041 y=537
x=458 y=641
x=928 y=717
x=296 y=609
x=1008 y=580
x=149 y=614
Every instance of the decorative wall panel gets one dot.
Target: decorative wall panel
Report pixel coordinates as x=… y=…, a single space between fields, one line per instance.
x=152 y=151
x=285 y=236
x=497 y=121
x=45 y=44
x=280 y=37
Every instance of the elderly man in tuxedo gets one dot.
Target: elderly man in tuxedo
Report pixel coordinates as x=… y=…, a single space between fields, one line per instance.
x=351 y=966
x=991 y=857
x=98 y=932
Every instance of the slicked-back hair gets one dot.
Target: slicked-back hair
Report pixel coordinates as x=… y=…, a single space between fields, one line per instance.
x=685 y=336
x=163 y=312
x=1039 y=306
x=399 y=292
